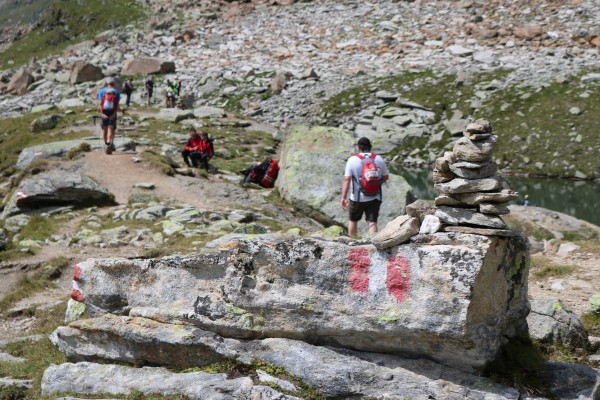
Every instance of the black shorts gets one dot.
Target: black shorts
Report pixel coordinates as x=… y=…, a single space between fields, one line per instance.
x=369 y=208
x=106 y=122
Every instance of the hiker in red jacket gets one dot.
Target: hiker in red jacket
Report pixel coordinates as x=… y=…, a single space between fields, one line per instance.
x=198 y=148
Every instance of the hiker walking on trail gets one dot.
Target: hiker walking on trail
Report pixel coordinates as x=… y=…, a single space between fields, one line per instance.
x=364 y=175
x=149 y=88
x=128 y=89
x=198 y=150
x=169 y=94
x=108 y=107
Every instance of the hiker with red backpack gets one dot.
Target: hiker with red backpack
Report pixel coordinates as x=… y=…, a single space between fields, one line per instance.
x=109 y=106
x=364 y=175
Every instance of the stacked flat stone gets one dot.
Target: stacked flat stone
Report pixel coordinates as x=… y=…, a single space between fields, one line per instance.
x=471 y=190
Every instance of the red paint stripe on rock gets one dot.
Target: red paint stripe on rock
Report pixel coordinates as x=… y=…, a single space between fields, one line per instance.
x=359 y=270
x=77 y=273
x=398 y=277
x=77 y=295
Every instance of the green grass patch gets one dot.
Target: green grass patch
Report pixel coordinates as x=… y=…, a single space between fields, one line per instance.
x=74 y=152
x=547 y=132
x=39 y=227
x=591 y=322
x=15 y=136
x=542 y=267
x=67 y=22
x=35 y=283
x=157 y=162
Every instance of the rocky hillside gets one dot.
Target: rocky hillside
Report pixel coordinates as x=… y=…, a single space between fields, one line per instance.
x=409 y=74
x=187 y=284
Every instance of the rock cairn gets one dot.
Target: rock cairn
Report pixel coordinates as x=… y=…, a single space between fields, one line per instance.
x=471 y=189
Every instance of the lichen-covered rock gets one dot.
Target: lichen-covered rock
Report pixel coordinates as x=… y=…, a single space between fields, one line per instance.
x=312 y=169
x=551 y=321
x=455 y=298
x=56 y=187
x=45 y=122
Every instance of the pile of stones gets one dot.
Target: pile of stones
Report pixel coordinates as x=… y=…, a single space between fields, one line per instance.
x=471 y=190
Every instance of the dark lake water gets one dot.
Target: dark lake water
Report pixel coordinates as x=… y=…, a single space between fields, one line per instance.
x=576 y=198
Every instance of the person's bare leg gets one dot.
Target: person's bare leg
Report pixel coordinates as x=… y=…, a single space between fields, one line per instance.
x=372 y=227
x=105 y=134
x=111 y=134
x=352 y=228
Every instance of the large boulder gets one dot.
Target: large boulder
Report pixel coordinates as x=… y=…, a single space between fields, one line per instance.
x=83 y=71
x=59 y=149
x=19 y=82
x=56 y=187
x=312 y=171
x=147 y=65
x=455 y=298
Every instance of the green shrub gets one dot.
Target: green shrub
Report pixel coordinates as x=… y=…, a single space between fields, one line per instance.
x=595 y=304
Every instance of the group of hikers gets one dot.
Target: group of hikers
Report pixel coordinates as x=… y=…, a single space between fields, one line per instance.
x=364 y=174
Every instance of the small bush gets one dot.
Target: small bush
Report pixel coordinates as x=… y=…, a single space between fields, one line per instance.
x=74 y=152
x=595 y=304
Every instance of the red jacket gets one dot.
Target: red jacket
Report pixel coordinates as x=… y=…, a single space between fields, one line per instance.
x=199 y=145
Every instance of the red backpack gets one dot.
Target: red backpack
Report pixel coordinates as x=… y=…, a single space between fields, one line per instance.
x=370 y=176
x=270 y=174
x=109 y=102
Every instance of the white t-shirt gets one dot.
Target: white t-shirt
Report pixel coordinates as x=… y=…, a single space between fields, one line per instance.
x=353 y=169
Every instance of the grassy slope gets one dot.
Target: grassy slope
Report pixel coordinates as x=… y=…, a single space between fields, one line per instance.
x=68 y=22
x=534 y=124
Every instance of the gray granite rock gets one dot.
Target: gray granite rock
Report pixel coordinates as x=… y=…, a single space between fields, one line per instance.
x=45 y=122
x=358 y=297
x=473 y=199
x=493 y=209
x=56 y=187
x=89 y=378
x=551 y=321
x=465 y=216
x=396 y=232
x=467 y=171
x=475 y=151
x=462 y=185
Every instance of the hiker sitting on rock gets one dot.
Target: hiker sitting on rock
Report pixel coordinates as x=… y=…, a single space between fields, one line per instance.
x=198 y=150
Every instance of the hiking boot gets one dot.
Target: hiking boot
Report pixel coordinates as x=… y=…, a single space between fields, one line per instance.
x=112 y=147
x=107 y=149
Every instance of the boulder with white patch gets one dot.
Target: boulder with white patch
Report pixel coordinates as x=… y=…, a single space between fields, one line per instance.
x=456 y=298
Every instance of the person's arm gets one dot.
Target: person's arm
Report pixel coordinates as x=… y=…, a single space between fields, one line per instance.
x=345 y=189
